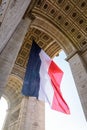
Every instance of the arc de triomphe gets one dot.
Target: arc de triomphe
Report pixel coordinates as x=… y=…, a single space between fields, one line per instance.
x=55 y=25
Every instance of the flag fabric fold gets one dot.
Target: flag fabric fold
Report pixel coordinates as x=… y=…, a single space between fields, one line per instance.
x=43 y=78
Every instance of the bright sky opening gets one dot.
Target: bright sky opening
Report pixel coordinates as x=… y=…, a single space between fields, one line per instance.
x=3 y=112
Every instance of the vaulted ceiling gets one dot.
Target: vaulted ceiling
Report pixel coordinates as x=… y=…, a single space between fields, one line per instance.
x=68 y=16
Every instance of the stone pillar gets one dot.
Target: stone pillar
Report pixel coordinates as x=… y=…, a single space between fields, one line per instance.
x=13 y=15
x=10 y=52
x=79 y=71
x=32 y=114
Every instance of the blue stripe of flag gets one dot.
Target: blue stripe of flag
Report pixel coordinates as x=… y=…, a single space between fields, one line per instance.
x=31 y=83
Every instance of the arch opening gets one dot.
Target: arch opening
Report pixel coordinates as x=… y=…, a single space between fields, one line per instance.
x=3 y=111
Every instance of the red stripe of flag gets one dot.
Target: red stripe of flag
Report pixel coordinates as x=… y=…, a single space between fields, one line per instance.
x=58 y=103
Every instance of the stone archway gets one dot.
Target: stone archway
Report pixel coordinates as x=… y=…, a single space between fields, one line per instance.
x=13 y=95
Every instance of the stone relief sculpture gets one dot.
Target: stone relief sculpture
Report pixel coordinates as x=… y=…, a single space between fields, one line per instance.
x=3 y=7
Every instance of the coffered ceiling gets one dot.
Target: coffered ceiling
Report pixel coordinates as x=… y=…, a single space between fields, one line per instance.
x=44 y=41
x=68 y=16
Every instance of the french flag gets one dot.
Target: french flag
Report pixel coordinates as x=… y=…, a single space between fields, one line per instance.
x=43 y=78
